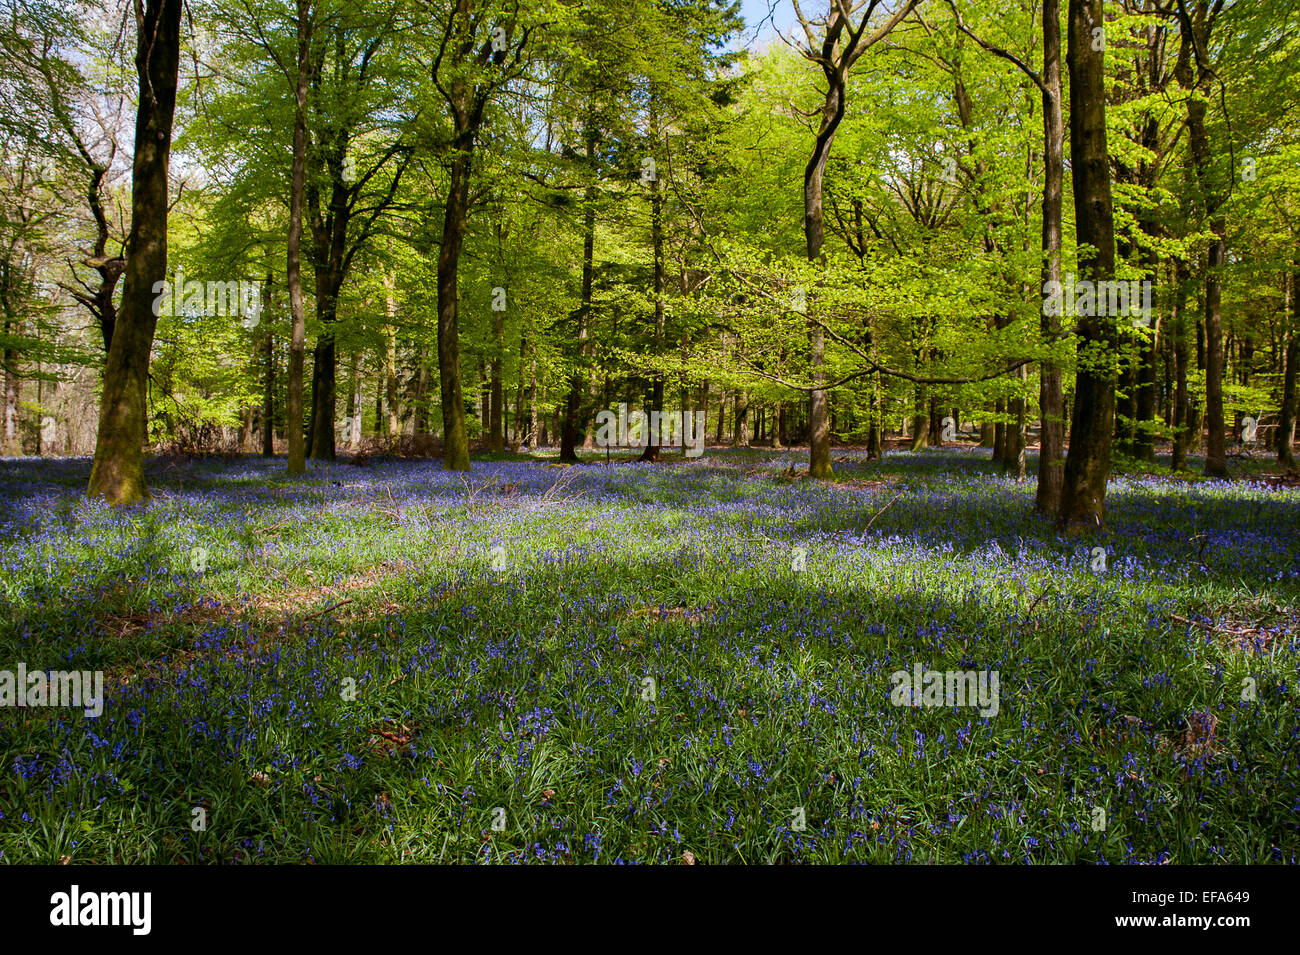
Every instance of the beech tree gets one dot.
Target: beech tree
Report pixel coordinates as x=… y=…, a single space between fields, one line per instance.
x=835 y=42
x=117 y=474
x=480 y=50
x=408 y=158
x=1087 y=466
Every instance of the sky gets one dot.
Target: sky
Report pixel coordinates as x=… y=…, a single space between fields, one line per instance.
x=761 y=15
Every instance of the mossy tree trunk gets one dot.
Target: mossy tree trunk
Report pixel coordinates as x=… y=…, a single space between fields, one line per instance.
x=117 y=474
x=1087 y=467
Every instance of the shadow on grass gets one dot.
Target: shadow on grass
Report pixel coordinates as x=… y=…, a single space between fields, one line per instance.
x=769 y=691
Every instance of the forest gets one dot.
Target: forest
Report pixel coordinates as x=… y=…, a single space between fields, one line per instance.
x=652 y=431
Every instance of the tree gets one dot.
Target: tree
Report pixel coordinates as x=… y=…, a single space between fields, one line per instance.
x=835 y=43
x=1087 y=467
x=117 y=474
x=293 y=256
x=1287 y=418
x=1051 y=401
x=1196 y=28
x=477 y=57
x=356 y=158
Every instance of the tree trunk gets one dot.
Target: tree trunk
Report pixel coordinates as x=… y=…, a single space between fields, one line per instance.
x=875 y=442
x=651 y=452
x=1216 y=460
x=1182 y=397
x=455 y=456
x=519 y=388
x=246 y=429
x=532 y=397
x=1195 y=411
x=1144 y=446
x=390 y=359
x=420 y=422
x=1017 y=432
x=920 y=419
x=484 y=400
x=268 y=380
x=1195 y=28
x=324 y=378
x=117 y=474
x=1000 y=434
x=110 y=269
x=1286 y=420
x=819 y=432
x=569 y=434
x=353 y=416
x=1245 y=366
x=1126 y=401
x=496 y=420
x=293 y=265
x=12 y=443
x=1087 y=467
x=327 y=252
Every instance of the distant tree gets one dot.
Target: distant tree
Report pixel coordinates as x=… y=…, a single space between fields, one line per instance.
x=835 y=42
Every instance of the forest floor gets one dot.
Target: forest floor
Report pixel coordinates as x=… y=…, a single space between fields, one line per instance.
x=673 y=662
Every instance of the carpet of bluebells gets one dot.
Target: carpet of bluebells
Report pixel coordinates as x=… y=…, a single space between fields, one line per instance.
x=664 y=663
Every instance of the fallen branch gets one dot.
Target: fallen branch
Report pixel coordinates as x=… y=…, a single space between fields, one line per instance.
x=320 y=613
x=1032 y=606
x=1213 y=627
x=881 y=511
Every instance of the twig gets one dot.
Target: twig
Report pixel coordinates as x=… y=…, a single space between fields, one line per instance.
x=1033 y=605
x=396 y=506
x=881 y=511
x=319 y=613
x=1211 y=626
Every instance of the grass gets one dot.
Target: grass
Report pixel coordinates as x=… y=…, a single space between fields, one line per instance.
x=631 y=664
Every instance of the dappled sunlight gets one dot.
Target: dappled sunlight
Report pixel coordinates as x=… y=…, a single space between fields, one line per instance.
x=373 y=660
